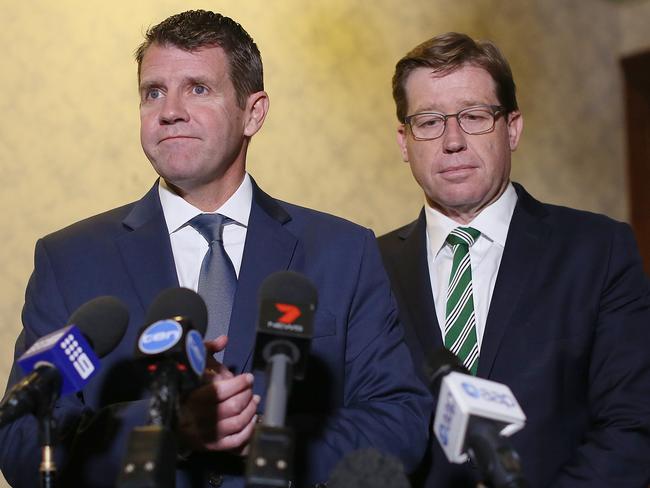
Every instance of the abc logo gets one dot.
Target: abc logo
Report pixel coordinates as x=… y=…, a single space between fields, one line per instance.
x=160 y=336
x=443 y=428
x=488 y=395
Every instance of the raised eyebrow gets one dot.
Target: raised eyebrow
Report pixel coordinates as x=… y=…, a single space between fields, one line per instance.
x=145 y=86
x=197 y=80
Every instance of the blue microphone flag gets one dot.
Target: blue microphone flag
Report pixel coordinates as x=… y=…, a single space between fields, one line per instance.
x=68 y=351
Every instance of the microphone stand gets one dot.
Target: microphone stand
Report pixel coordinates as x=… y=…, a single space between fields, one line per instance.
x=47 y=468
x=270 y=460
x=496 y=460
x=150 y=460
x=44 y=400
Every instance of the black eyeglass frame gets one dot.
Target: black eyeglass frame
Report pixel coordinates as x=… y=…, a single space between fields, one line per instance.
x=495 y=109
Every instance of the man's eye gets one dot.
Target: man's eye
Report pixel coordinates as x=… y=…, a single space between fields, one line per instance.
x=199 y=90
x=475 y=117
x=153 y=94
x=429 y=121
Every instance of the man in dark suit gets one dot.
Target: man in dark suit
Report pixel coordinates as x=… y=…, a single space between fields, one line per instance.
x=551 y=301
x=202 y=99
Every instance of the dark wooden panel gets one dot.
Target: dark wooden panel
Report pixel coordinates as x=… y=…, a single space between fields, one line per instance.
x=636 y=69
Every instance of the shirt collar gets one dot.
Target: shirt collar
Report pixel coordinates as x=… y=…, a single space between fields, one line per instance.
x=178 y=212
x=493 y=221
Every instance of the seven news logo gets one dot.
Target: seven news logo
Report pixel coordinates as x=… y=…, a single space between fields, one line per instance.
x=291 y=312
x=81 y=362
x=286 y=318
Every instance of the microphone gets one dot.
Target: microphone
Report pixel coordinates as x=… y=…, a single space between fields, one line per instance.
x=368 y=468
x=287 y=305
x=171 y=346
x=63 y=362
x=284 y=330
x=473 y=418
x=171 y=342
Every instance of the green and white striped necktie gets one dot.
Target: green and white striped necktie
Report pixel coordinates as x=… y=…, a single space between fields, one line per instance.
x=460 y=322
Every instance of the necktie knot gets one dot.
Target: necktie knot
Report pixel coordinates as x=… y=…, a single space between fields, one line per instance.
x=463 y=235
x=209 y=226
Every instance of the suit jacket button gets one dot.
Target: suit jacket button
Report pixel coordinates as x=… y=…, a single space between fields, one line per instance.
x=215 y=480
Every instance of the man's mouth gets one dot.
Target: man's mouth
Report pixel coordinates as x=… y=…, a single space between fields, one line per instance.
x=176 y=138
x=458 y=170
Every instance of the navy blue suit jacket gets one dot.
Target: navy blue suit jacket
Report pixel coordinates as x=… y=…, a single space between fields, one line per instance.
x=567 y=329
x=355 y=394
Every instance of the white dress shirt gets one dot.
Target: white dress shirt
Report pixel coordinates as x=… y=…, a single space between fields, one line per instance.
x=485 y=255
x=188 y=246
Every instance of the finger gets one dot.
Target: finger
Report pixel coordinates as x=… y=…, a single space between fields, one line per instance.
x=239 y=436
x=201 y=428
x=226 y=388
x=214 y=370
x=234 y=424
x=240 y=442
x=215 y=345
x=237 y=404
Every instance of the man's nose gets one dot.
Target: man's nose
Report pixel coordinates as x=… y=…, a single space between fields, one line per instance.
x=454 y=138
x=173 y=110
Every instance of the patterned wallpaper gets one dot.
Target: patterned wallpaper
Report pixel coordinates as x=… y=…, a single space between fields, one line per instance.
x=69 y=143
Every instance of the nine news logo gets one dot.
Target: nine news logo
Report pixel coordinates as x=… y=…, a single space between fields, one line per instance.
x=79 y=359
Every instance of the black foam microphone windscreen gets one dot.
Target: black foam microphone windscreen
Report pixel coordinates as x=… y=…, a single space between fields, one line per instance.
x=368 y=468
x=103 y=321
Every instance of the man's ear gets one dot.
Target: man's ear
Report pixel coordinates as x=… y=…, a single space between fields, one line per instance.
x=401 y=141
x=257 y=106
x=515 y=128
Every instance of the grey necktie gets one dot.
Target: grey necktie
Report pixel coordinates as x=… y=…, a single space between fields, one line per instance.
x=217 y=280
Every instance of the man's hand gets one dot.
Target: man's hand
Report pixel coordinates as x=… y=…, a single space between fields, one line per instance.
x=220 y=414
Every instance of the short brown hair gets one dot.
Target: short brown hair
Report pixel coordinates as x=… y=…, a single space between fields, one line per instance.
x=196 y=29
x=448 y=52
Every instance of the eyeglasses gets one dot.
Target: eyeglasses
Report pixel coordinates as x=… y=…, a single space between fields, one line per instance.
x=472 y=120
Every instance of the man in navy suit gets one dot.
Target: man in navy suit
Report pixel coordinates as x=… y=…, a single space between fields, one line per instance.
x=557 y=303
x=201 y=100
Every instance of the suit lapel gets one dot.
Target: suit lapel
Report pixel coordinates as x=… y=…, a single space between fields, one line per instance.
x=146 y=249
x=412 y=273
x=524 y=246
x=269 y=247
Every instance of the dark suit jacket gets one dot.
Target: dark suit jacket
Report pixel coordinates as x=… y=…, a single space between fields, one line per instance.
x=355 y=394
x=567 y=329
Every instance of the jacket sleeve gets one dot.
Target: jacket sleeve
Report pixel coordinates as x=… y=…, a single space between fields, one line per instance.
x=43 y=312
x=76 y=424
x=385 y=405
x=616 y=448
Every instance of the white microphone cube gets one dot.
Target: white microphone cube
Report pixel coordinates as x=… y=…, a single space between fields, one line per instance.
x=462 y=397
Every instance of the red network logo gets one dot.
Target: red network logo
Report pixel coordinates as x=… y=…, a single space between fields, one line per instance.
x=291 y=313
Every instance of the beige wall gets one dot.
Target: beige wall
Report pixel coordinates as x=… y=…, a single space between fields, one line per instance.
x=69 y=122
